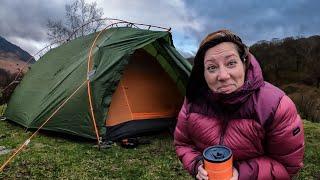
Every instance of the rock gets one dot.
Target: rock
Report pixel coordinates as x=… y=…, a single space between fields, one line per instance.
x=4 y=150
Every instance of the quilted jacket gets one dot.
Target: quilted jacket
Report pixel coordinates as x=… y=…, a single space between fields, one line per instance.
x=259 y=123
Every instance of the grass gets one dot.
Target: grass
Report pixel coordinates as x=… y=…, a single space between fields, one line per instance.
x=311 y=168
x=52 y=157
x=48 y=157
x=2 y=107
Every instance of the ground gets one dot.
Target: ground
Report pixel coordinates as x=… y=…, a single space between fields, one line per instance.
x=50 y=157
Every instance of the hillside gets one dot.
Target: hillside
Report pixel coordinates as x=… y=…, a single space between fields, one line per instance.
x=290 y=60
x=10 y=51
x=13 y=60
x=293 y=65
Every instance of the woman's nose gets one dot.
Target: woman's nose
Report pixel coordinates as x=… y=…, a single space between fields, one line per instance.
x=223 y=74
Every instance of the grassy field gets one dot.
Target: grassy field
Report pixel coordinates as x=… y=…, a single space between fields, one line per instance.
x=51 y=157
x=311 y=168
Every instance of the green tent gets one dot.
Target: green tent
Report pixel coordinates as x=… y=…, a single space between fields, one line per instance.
x=57 y=85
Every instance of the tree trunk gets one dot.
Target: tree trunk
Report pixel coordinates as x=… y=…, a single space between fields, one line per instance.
x=298 y=64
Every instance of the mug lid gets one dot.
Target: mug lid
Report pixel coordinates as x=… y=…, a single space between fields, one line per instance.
x=217 y=153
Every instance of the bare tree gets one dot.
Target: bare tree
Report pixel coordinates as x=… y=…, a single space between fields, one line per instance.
x=77 y=14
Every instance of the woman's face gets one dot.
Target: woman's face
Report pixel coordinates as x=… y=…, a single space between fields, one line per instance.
x=224 y=71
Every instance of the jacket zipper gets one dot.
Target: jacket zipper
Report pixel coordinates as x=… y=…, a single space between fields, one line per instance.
x=221 y=139
x=224 y=129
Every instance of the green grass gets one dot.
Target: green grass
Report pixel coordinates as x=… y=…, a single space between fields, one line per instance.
x=2 y=108
x=48 y=157
x=311 y=168
x=51 y=157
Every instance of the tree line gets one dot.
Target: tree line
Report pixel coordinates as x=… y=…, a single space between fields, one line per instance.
x=289 y=60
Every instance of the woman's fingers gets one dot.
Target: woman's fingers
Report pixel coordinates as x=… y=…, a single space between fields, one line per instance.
x=202 y=173
x=235 y=174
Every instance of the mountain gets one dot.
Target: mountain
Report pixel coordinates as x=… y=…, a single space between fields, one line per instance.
x=9 y=50
x=14 y=63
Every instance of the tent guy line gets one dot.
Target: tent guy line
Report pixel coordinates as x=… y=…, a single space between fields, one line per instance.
x=135 y=85
x=34 y=134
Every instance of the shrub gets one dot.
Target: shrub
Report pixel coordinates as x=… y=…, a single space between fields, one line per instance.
x=309 y=108
x=291 y=89
x=7 y=84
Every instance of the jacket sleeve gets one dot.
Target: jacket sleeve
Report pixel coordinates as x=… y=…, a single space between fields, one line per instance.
x=185 y=148
x=284 y=147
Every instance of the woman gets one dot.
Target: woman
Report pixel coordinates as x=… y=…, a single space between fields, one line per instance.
x=228 y=103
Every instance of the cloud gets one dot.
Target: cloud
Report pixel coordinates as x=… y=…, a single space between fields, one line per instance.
x=259 y=20
x=28 y=22
x=29 y=44
x=167 y=13
x=25 y=21
x=28 y=18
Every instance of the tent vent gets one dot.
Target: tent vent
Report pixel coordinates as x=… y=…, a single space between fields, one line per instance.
x=90 y=74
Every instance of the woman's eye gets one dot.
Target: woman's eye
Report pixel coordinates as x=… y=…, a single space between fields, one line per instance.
x=211 y=68
x=232 y=63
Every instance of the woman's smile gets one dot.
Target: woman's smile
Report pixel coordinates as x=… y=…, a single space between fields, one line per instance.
x=226 y=88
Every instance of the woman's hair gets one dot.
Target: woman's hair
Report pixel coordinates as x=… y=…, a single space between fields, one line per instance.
x=197 y=87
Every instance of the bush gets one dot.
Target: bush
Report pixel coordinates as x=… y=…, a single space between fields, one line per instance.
x=309 y=108
x=308 y=81
x=8 y=82
x=290 y=89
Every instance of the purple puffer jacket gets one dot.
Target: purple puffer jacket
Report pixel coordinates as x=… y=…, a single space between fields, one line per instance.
x=264 y=131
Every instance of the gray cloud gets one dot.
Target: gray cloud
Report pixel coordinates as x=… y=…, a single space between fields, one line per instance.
x=165 y=13
x=28 y=18
x=259 y=20
x=23 y=22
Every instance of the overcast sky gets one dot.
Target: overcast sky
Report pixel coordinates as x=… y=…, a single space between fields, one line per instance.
x=24 y=22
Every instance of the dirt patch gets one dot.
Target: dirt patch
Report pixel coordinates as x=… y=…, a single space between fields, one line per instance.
x=13 y=66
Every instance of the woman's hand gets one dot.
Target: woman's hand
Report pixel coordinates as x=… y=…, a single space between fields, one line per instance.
x=203 y=174
x=235 y=174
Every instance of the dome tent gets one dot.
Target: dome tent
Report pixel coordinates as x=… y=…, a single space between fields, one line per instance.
x=136 y=81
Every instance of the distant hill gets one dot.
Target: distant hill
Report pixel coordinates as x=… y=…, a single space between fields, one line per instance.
x=290 y=60
x=9 y=50
x=14 y=63
x=293 y=65
x=13 y=58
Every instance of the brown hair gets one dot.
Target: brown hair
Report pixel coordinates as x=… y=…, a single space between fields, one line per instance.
x=224 y=35
x=197 y=87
